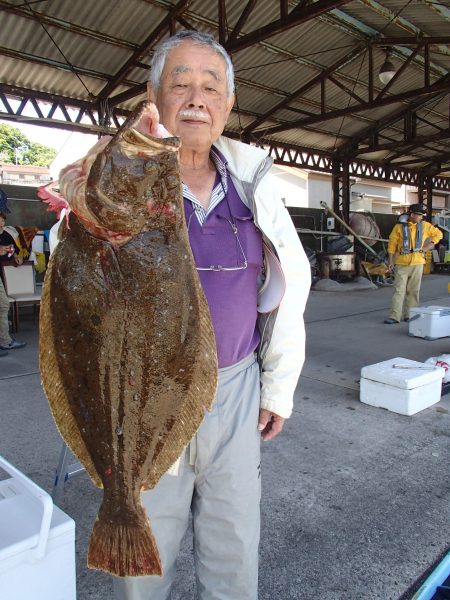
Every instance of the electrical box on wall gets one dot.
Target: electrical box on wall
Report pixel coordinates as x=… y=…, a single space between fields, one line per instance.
x=330 y=223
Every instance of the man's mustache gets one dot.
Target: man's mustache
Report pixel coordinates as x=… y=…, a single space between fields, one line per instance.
x=193 y=114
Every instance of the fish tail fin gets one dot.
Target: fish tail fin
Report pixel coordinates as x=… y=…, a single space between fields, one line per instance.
x=124 y=549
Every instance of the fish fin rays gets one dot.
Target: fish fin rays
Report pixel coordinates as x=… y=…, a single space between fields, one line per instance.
x=192 y=411
x=53 y=385
x=178 y=439
x=124 y=550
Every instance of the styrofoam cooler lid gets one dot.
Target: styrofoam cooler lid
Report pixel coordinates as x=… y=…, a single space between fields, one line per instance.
x=28 y=518
x=404 y=378
x=442 y=311
x=20 y=520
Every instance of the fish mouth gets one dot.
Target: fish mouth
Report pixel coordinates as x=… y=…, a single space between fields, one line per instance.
x=136 y=142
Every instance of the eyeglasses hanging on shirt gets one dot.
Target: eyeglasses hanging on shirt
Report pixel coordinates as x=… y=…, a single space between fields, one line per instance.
x=240 y=259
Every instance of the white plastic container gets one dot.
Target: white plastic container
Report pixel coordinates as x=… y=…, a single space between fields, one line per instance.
x=37 y=542
x=401 y=385
x=429 y=322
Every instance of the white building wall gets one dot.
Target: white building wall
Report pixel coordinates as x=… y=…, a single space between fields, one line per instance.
x=399 y=195
x=319 y=190
x=365 y=196
x=299 y=188
x=292 y=185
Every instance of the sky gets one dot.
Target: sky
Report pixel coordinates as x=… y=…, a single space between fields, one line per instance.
x=70 y=145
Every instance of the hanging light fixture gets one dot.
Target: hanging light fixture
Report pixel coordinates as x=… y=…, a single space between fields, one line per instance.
x=387 y=70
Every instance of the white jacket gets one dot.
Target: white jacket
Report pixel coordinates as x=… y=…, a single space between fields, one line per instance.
x=282 y=347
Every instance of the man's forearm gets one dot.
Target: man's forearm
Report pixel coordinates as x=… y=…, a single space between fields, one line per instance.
x=428 y=245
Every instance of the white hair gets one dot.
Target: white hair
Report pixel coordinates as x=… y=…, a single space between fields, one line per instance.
x=202 y=39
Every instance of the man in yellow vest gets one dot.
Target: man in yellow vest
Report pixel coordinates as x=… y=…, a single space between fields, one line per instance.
x=408 y=242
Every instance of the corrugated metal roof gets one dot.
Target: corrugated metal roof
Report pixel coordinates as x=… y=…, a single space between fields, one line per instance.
x=74 y=49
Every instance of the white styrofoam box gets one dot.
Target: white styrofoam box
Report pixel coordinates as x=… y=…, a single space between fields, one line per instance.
x=429 y=322
x=406 y=388
x=37 y=542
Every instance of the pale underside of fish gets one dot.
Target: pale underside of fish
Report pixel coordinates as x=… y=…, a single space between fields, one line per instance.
x=127 y=349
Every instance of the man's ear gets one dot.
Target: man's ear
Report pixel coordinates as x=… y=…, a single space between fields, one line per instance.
x=150 y=93
x=230 y=103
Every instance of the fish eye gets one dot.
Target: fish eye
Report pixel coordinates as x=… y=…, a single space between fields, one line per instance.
x=171 y=181
x=150 y=166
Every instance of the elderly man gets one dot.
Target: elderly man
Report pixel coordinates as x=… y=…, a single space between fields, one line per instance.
x=410 y=238
x=249 y=261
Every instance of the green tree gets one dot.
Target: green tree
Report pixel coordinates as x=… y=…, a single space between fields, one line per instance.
x=38 y=155
x=15 y=147
x=12 y=141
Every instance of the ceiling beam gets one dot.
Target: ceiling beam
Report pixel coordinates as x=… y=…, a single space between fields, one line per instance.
x=146 y=45
x=296 y=156
x=415 y=142
x=405 y=162
x=18 y=92
x=55 y=64
x=344 y=88
x=222 y=10
x=305 y=87
x=441 y=163
x=242 y=20
x=432 y=90
x=133 y=92
x=293 y=19
x=411 y=40
x=74 y=111
x=50 y=21
x=389 y=120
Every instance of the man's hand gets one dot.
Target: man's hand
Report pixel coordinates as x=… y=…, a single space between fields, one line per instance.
x=270 y=424
x=18 y=260
x=391 y=262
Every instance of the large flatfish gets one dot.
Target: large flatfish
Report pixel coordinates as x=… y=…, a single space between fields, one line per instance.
x=127 y=349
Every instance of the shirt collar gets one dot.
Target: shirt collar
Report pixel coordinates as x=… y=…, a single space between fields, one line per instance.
x=221 y=165
x=220 y=190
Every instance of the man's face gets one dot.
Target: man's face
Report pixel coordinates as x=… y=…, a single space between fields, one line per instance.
x=416 y=217
x=192 y=99
x=2 y=222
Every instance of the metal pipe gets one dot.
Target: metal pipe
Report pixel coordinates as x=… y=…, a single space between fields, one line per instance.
x=326 y=207
x=364 y=237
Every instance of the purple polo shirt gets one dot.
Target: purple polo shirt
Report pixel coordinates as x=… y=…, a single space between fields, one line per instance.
x=226 y=235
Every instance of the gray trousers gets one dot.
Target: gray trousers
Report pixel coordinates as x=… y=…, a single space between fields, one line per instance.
x=220 y=484
x=407 y=280
x=5 y=338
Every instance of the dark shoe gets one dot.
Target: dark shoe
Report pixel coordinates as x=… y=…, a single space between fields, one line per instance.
x=406 y=319
x=3 y=353
x=13 y=345
x=390 y=321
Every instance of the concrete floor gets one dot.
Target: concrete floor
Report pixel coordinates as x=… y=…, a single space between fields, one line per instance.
x=355 y=498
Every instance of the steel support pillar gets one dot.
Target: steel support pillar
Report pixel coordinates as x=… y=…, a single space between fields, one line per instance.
x=429 y=188
x=345 y=190
x=335 y=182
x=341 y=188
x=425 y=192
x=421 y=189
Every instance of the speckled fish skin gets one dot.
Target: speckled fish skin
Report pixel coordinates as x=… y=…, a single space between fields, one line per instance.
x=127 y=348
